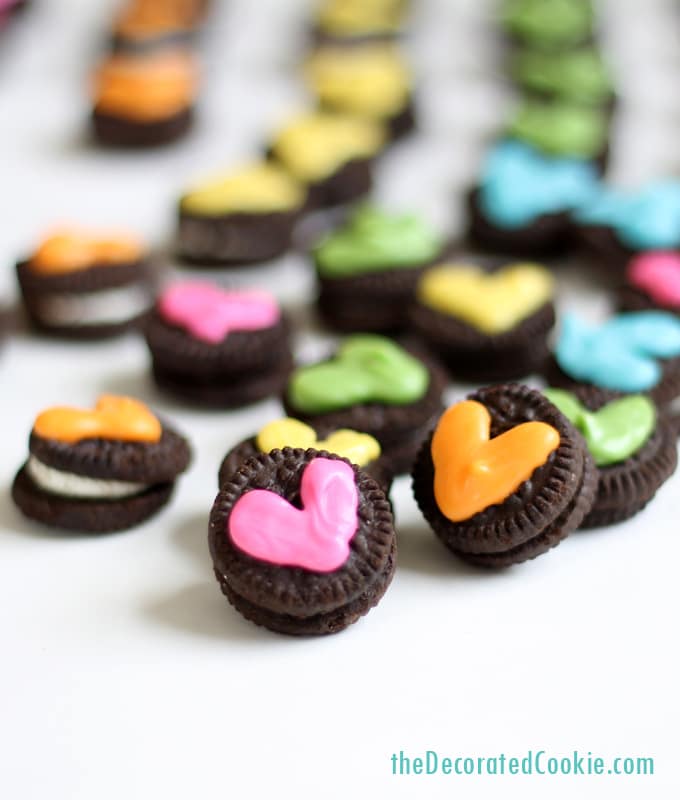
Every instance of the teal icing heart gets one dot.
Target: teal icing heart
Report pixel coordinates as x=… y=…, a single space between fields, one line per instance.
x=620 y=354
x=561 y=129
x=648 y=219
x=614 y=432
x=518 y=184
x=373 y=241
x=366 y=369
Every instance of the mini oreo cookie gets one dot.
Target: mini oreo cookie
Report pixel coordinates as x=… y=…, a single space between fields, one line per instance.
x=563 y=130
x=633 y=446
x=549 y=25
x=629 y=353
x=504 y=477
x=375 y=386
x=652 y=283
x=373 y=81
x=87 y=286
x=119 y=132
x=358 y=448
x=212 y=347
x=331 y=154
x=143 y=100
x=244 y=216
x=486 y=324
x=614 y=225
x=367 y=270
x=524 y=198
x=99 y=471
x=302 y=542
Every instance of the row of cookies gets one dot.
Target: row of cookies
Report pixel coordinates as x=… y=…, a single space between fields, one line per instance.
x=361 y=92
x=302 y=536
x=145 y=90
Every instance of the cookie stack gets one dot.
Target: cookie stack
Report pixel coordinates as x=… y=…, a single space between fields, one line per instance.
x=145 y=90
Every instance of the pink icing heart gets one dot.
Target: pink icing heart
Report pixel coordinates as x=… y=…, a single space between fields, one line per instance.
x=266 y=526
x=658 y=274
x=209 y=313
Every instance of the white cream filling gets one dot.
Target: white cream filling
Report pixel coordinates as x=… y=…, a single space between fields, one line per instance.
x=68 y=484
x=105 y=307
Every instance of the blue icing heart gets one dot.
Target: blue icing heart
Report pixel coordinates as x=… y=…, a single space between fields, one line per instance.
x=518 y=184
x=644 y=220
x=621 y=353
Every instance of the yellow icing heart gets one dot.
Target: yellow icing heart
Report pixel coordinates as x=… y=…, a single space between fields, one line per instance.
x=259 y=188
x=372 y=80
x=359 y=448
x=352 y=17
x=492 y=303
x=314 y=146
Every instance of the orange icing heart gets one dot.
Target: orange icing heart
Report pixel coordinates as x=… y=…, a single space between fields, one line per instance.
x=146 y=87
x=141 y=18
x=113 y=418
x=71 y=250
x=472 y=471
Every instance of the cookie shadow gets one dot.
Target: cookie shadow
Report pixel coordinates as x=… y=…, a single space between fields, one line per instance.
x=201 y=610
x=419 y=550
x=131 y=383
x=190 y=536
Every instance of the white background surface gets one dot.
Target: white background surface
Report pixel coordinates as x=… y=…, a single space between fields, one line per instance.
x=124 y=673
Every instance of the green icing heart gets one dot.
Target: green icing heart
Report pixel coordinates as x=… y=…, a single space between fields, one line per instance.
x=373 y=241
x=613 y=432
x=366 y=369
x=549 y=23
x=579 y=76
x=561 y=129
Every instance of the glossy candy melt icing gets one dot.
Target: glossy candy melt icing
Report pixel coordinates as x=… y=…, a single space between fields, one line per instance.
x=472 y=471
x=373 y=241
x=210 y=314
x=366 y=369
x=491 y=303
x=622 y=353
x=615 y=431
x=315 y=537
x=255 y=188
x=113 y=417
x=657 y=273
x=647 y=219
x=359 y=448
x=519 y=185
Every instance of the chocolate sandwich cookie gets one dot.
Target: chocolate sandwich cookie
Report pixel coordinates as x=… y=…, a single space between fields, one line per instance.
x=551 y=25
x=375 y=386
x=372 y=81
x=358 y=22
x=212 y=347
x=504 y=477
x=143 y=100
x=331 y=154
x=302 y=542
x=368 y=269
x=145 y=25
x=633 y=446
x=578 y=77
x=86 y=285
x=358 y=448
x=102 y=470
x=630 y=353
x=486 y=325
x=563 y=130
x=246 y=215
x=523 y=201
x=615 y=225
x=652 y=282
